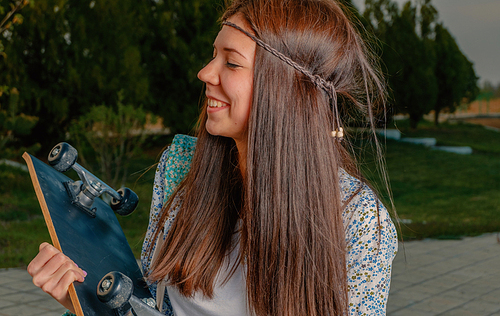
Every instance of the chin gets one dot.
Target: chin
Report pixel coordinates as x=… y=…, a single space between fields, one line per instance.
x=212 y=131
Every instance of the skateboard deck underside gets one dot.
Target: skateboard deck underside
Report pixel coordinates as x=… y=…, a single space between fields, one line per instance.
x=97 y=245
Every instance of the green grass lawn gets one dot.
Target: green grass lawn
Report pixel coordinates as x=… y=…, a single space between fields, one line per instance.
x=446 y=195
x=438 y=194
x=481 y=140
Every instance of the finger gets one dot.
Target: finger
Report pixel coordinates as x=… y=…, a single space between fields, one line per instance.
x=46 y=252
x=57 y=286
x=54 y=270
x=65 y=266
x=43 y=245
x=45 y=264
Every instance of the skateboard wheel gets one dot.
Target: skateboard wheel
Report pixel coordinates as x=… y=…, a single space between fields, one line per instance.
x=127 y=204
x=115 y=289
x=62 y=157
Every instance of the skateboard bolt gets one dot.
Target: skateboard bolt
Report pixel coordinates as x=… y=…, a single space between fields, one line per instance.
x=106 y=284
x=96 y=185
x=55 y=152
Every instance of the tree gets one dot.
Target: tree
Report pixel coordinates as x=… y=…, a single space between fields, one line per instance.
x=428 y=17
x=488 y=88
x=409 y=58
x=455 y=74
x=10 y=19
x=426 y=69
x=178 y=45
x=13 y=123
x=416 y=88
x=379 y=14
x=72 y=54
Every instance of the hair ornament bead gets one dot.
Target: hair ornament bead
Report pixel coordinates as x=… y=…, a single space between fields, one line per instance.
x=339 y=133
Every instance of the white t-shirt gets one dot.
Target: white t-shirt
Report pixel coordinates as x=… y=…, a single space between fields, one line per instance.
x=230 y=298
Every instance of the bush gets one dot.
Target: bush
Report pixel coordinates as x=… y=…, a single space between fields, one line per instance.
x=115 y=135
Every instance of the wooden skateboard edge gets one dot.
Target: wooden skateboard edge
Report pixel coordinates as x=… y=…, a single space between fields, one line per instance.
x=50 y=226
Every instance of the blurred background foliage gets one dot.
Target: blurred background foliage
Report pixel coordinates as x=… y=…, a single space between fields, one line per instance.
x=65 y=56
x=69 y=55
x=116 y=135
x=13 y=124
x=78 y=70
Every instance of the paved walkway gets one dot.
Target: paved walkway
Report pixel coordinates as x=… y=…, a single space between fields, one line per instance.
x=447 y=277
x=437 y=277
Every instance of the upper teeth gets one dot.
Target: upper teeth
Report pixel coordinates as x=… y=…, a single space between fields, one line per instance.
x=214 y=103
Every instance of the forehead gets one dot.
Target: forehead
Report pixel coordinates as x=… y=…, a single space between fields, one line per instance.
x=230 y=38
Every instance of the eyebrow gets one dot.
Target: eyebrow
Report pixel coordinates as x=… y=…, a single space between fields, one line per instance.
x=232 y=50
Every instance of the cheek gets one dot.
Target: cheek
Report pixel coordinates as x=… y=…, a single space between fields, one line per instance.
x=246 y=107
x=240 y=90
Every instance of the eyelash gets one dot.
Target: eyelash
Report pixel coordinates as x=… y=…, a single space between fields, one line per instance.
x=233 y=66
x=228 y=64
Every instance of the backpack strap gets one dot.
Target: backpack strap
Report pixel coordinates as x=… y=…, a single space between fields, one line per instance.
x=178 y=164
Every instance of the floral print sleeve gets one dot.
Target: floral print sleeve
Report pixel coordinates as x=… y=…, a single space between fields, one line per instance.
x=371 y=246
x=155 y=212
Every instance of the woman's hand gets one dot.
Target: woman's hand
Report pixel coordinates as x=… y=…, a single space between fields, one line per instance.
x=53 y=272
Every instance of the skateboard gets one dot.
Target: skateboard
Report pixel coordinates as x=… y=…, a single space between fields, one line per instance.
x=86 y=229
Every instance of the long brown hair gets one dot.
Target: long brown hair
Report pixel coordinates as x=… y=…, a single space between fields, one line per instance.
x=292 y=241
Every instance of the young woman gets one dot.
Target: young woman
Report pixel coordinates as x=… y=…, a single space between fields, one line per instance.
x=265 y=212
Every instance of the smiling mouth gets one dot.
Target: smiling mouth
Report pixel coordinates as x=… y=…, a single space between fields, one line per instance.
x=216 y=104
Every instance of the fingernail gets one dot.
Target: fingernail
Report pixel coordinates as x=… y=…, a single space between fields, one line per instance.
x=84 y=272
x=76 y=265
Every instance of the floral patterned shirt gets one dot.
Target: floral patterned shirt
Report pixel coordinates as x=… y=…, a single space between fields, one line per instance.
x=370 y=234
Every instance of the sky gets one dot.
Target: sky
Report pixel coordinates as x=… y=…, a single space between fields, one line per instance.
x=475 y=25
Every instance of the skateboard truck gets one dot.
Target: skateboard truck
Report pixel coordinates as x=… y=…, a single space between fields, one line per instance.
x=115 y=290
x=83 y=192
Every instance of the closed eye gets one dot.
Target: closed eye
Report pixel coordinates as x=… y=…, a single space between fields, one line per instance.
x=231 y=65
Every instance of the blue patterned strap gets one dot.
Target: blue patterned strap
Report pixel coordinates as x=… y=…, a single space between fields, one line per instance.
x=179 y=159
x=178 y=162
x=68 y=313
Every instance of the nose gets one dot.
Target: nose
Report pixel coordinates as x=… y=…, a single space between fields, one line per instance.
x=209 y=74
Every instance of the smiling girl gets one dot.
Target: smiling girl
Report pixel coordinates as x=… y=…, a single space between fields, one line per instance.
x=265 y=212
